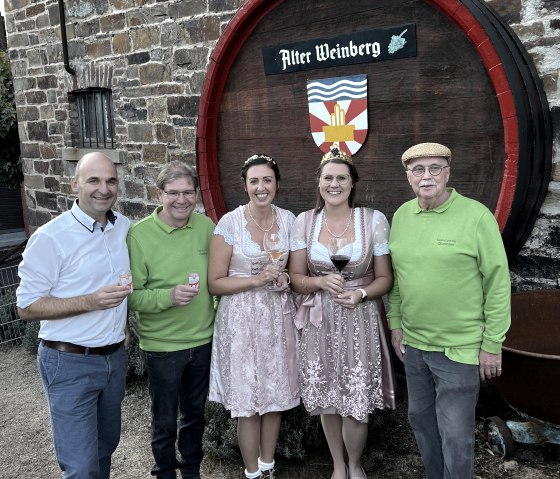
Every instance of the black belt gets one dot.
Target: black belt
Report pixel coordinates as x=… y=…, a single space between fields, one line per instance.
x=77 y=349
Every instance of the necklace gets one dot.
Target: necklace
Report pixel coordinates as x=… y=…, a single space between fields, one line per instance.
x=258 y=225
x=345 y=229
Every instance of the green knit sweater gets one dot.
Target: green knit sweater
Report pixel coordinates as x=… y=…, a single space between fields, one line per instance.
x=162 y=257
x=452 y=288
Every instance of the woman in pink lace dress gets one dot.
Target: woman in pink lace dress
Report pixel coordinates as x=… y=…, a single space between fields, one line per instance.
x=253 y=372
x=344 y=366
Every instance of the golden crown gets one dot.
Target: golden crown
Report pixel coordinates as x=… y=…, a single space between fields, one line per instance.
x=336 y=153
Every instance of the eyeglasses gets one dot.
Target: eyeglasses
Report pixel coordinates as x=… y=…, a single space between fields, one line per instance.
x=174 y=195
x=340 y=179
x=434 y=170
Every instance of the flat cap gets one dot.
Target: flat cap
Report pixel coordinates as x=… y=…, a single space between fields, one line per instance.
x=423 y=150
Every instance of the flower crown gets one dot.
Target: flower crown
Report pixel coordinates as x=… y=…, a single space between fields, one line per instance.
x=336 y=154
x=257 y=157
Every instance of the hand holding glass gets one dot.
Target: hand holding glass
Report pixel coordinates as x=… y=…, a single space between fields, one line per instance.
x=275 y=247
x=340 y=251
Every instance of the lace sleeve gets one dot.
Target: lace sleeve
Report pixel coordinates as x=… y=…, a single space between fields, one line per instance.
x=226 y=229
x=297 y=234
x=380 y=234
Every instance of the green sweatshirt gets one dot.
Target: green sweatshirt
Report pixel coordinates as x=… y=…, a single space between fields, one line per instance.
x=451 y=291
x=161 y=257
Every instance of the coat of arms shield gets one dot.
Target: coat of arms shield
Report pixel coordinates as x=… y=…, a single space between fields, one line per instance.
x=338 y=112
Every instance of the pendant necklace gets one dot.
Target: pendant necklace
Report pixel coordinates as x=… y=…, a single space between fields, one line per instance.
x=258 y=225
x=345 y=229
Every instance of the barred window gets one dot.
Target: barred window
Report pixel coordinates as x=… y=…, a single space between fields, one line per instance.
x=94 y=107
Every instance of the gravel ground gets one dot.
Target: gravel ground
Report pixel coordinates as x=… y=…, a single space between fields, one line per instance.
x=26 y=448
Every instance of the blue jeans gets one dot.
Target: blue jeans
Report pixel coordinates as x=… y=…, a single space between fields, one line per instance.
x=442 y=396
x=178 y=380
x=84 y=394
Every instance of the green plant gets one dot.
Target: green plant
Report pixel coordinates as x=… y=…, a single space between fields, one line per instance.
x=11 y=174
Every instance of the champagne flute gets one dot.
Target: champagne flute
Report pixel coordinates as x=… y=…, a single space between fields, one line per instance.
x=340 y=251
x=275 y=247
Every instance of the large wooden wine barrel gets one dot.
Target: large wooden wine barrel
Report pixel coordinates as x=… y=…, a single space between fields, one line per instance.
x=470 y=86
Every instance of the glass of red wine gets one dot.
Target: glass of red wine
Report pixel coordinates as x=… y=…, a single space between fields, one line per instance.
x=340 y=251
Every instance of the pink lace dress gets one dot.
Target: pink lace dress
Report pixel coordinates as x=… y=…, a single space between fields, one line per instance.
x=253 y=368
x=344 y=363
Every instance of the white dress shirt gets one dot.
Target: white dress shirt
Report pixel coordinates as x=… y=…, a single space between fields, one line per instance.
x=73 y=255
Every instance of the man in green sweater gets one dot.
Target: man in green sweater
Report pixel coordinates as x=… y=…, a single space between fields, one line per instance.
x=449 y=309
x=175 y=318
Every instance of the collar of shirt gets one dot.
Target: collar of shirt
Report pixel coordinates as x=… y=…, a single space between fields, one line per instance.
x=87 y=221
x=165 y=227
x=441 y=208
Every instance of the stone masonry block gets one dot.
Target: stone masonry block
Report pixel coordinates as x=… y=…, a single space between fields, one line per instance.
x=138 y=58
x=57 y=167
x=121 y=43
x=122 y=4
x=37 y=131
x=185 y=106
x=41 y=167
x=52 y=184
x=132 y=209
x=29 y=150
x=192 y=58
x=157 y=109
x=37 y=57
x=43 y=21
x=33 y=181
x=47 y=112
x=134 y=189
x=224 y=5
x=48 y=151
x=112 y=23
x=34 y=10
x=35 y=97
x=154 y=153
x=88 y=28
x=133 y=112
x=144 y=38
x=202 y=29
x=154 y=73
x=46 y=200
x=99 y=49
x=165 y=133
x=28 y=113
x=187 y=9
x=137 y=18
x=18 y=40
x=140 y=132
x=47 y=81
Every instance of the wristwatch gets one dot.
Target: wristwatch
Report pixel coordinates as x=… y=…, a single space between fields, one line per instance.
x=364 y=294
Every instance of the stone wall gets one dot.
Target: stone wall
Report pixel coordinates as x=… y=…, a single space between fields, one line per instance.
x=153 y=55
x=537 y=24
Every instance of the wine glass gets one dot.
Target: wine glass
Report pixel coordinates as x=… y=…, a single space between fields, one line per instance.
x=340 y=251
x=275 y=247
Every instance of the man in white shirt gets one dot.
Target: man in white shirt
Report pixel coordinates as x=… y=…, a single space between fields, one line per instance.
x=69 y=282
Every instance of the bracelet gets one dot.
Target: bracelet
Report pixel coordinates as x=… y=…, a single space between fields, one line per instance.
x=287 y=276
x=363 y=293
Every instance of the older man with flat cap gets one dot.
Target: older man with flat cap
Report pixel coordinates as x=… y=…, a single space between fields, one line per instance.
x=449 y=309
x=70 y=282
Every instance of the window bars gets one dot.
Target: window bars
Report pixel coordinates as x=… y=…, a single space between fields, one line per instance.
x=95 y=106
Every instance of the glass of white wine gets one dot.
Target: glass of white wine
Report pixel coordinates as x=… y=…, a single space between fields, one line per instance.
x=276 y=247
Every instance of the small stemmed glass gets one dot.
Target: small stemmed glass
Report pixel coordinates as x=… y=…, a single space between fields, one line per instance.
x=340 y=251
x=276 y=247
